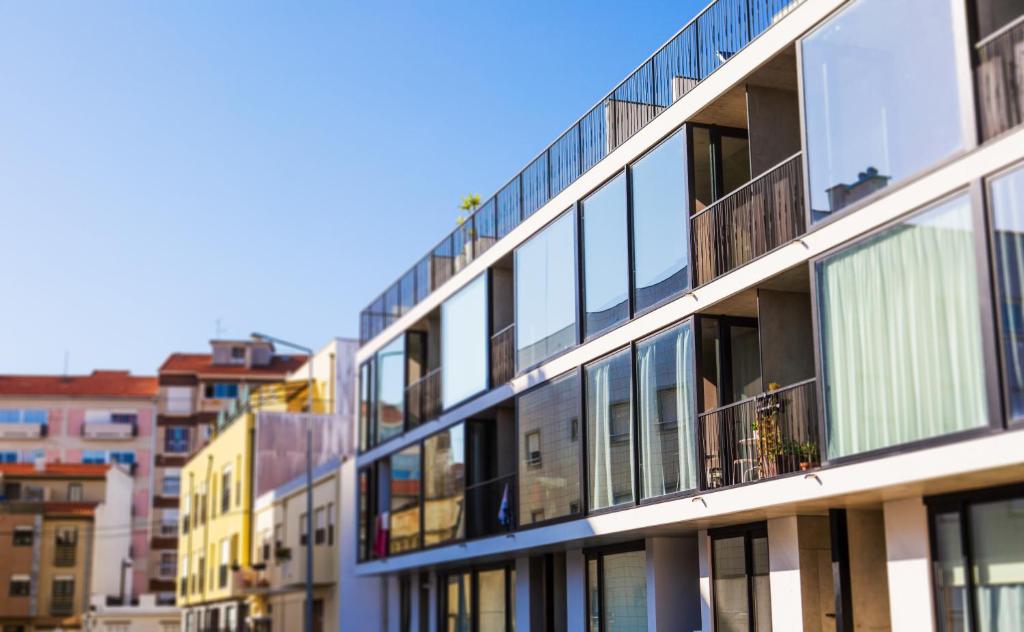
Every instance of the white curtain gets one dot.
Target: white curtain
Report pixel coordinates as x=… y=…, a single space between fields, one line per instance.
x=603 y=494
x=686 y=408
x=1000 y=607
x=902 y=334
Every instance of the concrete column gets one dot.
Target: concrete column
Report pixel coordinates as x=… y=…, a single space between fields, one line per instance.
x=576 y=590
x=908 y=564
x=704 y=583
x=673 y=585
x=393 y=611
x=523 y=596
x=361 y=600
x=784 y=574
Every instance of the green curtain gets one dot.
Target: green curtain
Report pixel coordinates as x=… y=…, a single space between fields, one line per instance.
x=901 y=334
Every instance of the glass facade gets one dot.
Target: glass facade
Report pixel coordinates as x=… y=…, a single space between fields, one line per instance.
x=390 y=389
x=549 y=451
x=605 y=271
x=459 y=602
x=617 y=592
x=366 y=406
x=742 y=593
x=545 y=292
x=464 y=340
x=609 y=432
x=901 y=334
x=660 y=227
x=1006 y=201
x=667 y=408
x=444 y=471
x=879 y=105
x=404 y=534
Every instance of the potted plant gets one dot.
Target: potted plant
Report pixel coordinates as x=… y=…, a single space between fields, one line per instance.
x=789 y=456
x=468 y=206
x=767 y=436
x=808 y=455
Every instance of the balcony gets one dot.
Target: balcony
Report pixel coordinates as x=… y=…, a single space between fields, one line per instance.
x=109 y=431
x=20 y=430
x=62 y=606
x=64 y=555
x=503 y=356
x=769 y=435
x=423 y=398
x=999 y=78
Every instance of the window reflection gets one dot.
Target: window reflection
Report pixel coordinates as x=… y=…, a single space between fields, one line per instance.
x=443 y=486
x=464 y=341
x=549 y=465
x=1007 y=204
x=390 y=389
x=405 y=500
x=605 y=271
x=609 y=431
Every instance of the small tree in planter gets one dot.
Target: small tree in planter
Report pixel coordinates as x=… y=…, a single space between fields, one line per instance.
x=468 y=206
x=766 y=432
x=808 y=455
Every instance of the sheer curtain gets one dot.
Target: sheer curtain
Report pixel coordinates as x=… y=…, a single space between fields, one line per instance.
x=602 y=488
x=901 y=334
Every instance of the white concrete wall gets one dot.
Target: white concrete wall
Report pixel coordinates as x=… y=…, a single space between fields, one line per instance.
x=908 y=565
x=576 y=590
x=707 y=617
x=360 y=598
x=111 y=541
x=673 y=585
x=784 y=574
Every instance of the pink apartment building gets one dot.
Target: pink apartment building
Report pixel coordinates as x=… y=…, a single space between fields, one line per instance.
x=104 y=417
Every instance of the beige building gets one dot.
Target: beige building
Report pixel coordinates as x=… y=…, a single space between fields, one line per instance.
x=145 y=616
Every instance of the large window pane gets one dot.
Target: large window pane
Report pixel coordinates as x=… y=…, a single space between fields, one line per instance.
x=950 y=579
x=997 y=551
x=741 y=580
x=366 y=405
x=660 y=226
x=625 y=592
x=667 y=407
x=605 y=271
x=459 y=603
x=491 y=599
x=609 y=432
x=444 y=467
x=464 y=341
x=1007 y=204
x=405 y=500
x=901 y=334
x=545 y=278
x=549 y=457
x=390 y=389
x=881 y=104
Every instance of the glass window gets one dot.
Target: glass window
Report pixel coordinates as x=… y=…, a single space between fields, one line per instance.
x=222 y=390
x=545 y=279
x=618 y=600
x=740 y=576
x=405 y=500
x=176 y=440
x=464 y=341
x=880 y=106
x=1007 y=205
x=667 y=410
x=458 y=602
x=390 y=389
x=94 y=456
x=660 y=226
x=366 y=406
x=491 y=600
x=34 y=416
x=605 y=267
x=10 y=415
x=901 y=334
x=610 y=431
x=549 y=464
x=444 y=470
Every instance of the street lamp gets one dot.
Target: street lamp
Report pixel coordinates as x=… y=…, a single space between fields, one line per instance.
x=309 y=470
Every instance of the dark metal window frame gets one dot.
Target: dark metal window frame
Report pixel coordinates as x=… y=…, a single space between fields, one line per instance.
x=474 y=582
x=748 y=532
x=598 y=554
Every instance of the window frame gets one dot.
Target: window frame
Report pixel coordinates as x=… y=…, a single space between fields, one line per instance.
x=474 y=582
x=583 y=335
x=748 y=531
x=598 y=554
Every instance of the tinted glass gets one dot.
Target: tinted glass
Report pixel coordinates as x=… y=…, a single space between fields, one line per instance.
x=609 y=432
x=625 y=592
x=390 y=382
x=444 y=467
x=605 y=271
x=880 y=105
x=660 y=226
x=997 y=553
x=365 y=405
x=405 y=500
x=464 y=340
x=549 y=451
x=459 y=603
x=545 y=278
x=950 y=576
x=1007 y=205
x=491 y=599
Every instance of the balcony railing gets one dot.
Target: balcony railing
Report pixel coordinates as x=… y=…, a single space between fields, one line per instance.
x=423 y=398
x=503 y=355
x=113 y=430
x=484 y=502
x=61 y=606
x=719 y=31
x=756 y=218
x=22 y=430
x=999 y=76
x=769 y=435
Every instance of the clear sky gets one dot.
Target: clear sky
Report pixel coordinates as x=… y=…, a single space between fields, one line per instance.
x=273 y=165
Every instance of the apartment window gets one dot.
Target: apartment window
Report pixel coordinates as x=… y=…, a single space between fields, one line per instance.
x=124 y=418
x=168 y=522
x=478 y=600
x=319 y=526
x=124 y=458
x=660 y=223
x=545 y=292
x=225 y=489
x=617 y=589
x=221 y=390
x=183 y=589
x=168 y=562
x=230 y=621
x=21 y=586
x=238 y=353
x=605 y=257
x=330 y=524
x=1006 y=203
x=978 y=560
x=94 y=456
x=74 y=492
x=303 y=530
x=390 y=389
x=739 y=572
x=551 y=413
x=62 y=596
x=444 y=472
x=9 y=456
x=94 y=416
x=609 y=431
x=367 y=406
x=65 y=546
x=366 y=515
x=171 y=483
x=464 y=343
x=186 y=504
x=10 y=415
x=26 y=416
x=176 y=440
x=666 y=407
x=225 y=561
x=23 y=536
x=879 y=106
x=404 y=533
x=901 y=334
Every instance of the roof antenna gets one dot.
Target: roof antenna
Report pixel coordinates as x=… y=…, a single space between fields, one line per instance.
x=218 y=329
x=67 y=356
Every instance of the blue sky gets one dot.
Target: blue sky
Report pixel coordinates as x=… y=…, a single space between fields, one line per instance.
x=273 y=165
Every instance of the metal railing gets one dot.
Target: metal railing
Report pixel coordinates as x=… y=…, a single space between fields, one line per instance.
x=484 y=507
x=998 y=76
x=65 y=554
x=756 y=218
x=762 y=437
x=423 y=398
x=503 y=356
x=697 y=50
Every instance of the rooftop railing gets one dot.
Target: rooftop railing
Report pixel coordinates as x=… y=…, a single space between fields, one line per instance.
x=706 y=42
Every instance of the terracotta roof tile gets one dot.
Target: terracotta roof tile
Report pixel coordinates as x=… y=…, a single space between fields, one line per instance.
x=98 y=384
x=202 y=363
x=54 y=470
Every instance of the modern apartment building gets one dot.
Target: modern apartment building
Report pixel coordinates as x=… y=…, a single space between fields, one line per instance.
x=65 y=537
x=103 y=417
x=740 y=350
x=194 y=389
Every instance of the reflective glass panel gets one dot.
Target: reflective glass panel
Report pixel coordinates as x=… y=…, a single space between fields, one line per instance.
x=1007 y=206
x=390 y=383
x=464 y=340
x=609 y=432
x=605 y=271
x=444 y=468
x=405 y=500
